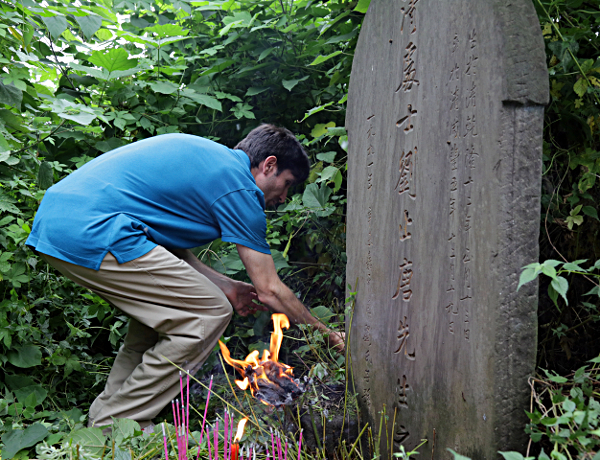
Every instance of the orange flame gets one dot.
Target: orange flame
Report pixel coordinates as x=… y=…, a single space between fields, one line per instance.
x=279 y=321
x=240 y=430
x=267 y=370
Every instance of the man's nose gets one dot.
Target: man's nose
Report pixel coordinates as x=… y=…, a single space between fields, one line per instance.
x=282 y=196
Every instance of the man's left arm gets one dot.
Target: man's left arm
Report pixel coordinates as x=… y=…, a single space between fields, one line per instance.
x=240 y=295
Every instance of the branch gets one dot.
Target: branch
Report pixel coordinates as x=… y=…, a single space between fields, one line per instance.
x=41 y=140
x=65 y=74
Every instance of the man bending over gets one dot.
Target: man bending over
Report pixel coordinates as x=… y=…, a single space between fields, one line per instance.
x=122 y=226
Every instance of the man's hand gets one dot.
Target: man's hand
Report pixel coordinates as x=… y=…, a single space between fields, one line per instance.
x=337 y=340
x=242 y=296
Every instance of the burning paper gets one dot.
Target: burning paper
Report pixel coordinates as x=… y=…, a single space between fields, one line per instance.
x=269 y=380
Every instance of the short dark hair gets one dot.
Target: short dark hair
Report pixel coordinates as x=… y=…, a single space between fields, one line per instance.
x=267 y=140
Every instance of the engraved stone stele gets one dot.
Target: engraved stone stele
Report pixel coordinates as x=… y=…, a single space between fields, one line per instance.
x=445 y=122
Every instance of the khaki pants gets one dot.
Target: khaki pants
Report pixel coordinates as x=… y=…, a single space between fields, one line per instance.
x=176 y=314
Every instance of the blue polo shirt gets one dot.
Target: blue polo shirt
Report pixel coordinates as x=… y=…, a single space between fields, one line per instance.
x=175 y=190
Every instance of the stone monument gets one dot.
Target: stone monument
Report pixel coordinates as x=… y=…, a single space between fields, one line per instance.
x=444 y=118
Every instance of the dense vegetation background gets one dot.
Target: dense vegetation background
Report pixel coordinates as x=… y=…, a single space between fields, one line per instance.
x=79 y=79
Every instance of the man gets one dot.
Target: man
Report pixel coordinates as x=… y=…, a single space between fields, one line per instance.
x=122 y=226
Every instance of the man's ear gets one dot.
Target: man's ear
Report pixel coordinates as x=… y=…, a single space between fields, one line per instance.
x=269 y=165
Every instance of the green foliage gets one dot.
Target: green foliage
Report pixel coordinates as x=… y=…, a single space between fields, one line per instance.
x=559 y=285
x=570 y=192
x=566 y=416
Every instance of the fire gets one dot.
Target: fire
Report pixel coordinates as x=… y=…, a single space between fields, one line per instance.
x=269 y=380
x=240 y=430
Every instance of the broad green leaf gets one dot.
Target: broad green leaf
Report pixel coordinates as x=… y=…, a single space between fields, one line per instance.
x=79 y=113
x=25 y=356
x=109 y=144
x=549 y=271
x=91 y=439
x=456 y=455
x=231 y=97
x=163 y=87
x=168 y=30
x=112 y=60
x=574 y=266
x=551 y=263
x=146 y=124
x=279 y=260
x=327 y=157
x=336 y=131
x=315 y=196
x=243 y=110
x=320 y=59
x=203 y=99
x=129 y=72
x=328 y=173
x=37 y=390
x=561 y=285
x=568 y=405
x=549 y=421
x=120 y=123
x=10 y=95
x=100 y=74
x=290 y=84
x=5 y=156
x=342 y=38
x=16 y=440
x=12 y=120
x=6 y=204
x=124 y=428
x=265 y=53
x=45 y=176
x=337 y=181
x=104 y=34
x=587 y=181
x=218 y=67
x=321 y=129
x=56 y=25
x=363 y=6
x=595 y=290
x=4 y=148
x=315 y=110
x=253 y=91
x=511 y=455
x=590 y=211
x=323 y=313
x=580 y=87
x=212 y=50
x=553 y=295
x=89 y=24
x=527 y=275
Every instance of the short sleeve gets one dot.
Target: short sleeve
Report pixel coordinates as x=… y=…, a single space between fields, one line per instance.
x=242 y=220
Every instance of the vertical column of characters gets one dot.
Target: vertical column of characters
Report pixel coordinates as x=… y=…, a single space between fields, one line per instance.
x=367 y=337
x=470 y=134
x=405 y=186
x=454 y=85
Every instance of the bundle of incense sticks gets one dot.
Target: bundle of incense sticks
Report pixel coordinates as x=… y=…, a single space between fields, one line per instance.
x=279 y=450
x=181 y=420
x=231 y=448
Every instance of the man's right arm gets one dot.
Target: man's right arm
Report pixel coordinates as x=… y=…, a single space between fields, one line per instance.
x=277 y=296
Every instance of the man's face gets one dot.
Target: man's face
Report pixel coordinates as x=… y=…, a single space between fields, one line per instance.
x=275 y=187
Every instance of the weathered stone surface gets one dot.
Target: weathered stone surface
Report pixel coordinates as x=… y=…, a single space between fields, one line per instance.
x=445 y=121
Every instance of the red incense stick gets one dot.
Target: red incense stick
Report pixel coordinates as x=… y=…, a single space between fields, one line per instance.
x=204 y=417
x=165 y=442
